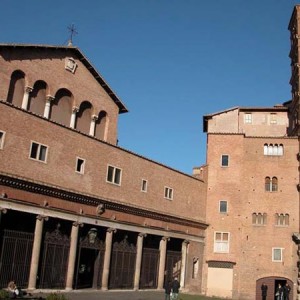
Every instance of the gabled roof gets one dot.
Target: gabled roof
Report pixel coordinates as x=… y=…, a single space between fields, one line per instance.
x=84 y=60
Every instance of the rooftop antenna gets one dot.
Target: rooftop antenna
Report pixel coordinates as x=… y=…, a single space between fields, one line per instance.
x=72 y=31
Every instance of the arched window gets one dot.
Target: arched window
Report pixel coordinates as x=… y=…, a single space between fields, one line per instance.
x=275 y=149
x=282 y=219
x=265 y=149
x=84 y=117
x=267 y=184
x=16 y=88
x=271 y=184
x=61 y=109
x=37 y=99
x=280 y=149
x=274 y=184
x=270 y=149
x=259 y=218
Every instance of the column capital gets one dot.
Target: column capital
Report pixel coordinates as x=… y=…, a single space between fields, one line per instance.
x=50 y=98
x=42 y=217
x=142 y=234
x=75 y=109
x=3 y=210
x=186 y=242
x=28 y=89
x=111 y=230
x=77 y=224
x=165 y=238
x=94 y=117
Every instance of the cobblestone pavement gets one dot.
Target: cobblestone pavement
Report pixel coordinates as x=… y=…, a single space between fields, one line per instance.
x=108 y=295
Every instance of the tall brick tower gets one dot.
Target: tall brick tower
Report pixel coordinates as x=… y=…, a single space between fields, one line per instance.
x=294 y=28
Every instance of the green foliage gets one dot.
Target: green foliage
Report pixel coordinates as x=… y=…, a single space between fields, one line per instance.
x=196 y=297
x=4 y=294
x=56 y=296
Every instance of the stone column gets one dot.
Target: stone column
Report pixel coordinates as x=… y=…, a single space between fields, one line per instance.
x=28 y=90
x=2 y=211
x=184 y=247
x=47 y=106
x=36 y=251
x=72 y=256
x=162 y=262
x=93 y=125
x=106 y=263
x=138 y=261
x=73 y=116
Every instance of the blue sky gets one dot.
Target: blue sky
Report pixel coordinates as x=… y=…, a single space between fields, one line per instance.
x=169 y=61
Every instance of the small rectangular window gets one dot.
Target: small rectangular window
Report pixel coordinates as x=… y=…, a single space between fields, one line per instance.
x=168 y=193
x=248 y=118
x=223 y=206
x=225 y=160
x=2 y=135
x=114 y=175
x=221 y=243
x=38 y=152
x=277 y=254
x=144 y=185
x=80 y=165
x=273 y=119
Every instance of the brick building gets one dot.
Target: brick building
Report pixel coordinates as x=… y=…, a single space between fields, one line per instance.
x=253 y=195
x=77 y=211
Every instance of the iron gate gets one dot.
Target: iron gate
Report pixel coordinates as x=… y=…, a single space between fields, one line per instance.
x=55 y=260
x=149 y=269
x=89 y=263
x=122 y=265
x=173 y=265
x=15 y=257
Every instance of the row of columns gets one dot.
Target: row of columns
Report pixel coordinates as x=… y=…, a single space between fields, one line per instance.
x=107 y=256
x=50 y=98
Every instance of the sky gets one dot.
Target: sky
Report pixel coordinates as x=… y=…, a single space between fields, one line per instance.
x=169 y=61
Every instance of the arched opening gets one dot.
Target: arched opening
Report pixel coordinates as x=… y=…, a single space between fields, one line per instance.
x=61 y=109
x=101 y=127
x=37 y=98
x=84 y=116
x=16 y=88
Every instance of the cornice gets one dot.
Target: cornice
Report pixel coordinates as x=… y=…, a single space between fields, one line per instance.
x=58 y=192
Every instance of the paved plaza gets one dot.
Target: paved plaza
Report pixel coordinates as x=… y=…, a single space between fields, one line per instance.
x=110 y=295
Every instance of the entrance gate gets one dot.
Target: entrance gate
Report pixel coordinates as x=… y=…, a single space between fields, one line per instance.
x=55 y=259
x=149 y=269
x=122 y=265
x=173 y=265
x=90 y=263
x=15 y=257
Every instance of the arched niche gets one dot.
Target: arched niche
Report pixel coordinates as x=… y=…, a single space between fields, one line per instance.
x=84 y=116
x=61 y=109
x=37 y=99
x=16 y=88
x=101 y=128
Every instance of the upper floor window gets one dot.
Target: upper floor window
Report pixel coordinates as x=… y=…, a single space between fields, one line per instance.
x=271 y=184
x=248 y=118
x=38 y=152
x=223 y=206
x=273 y=149
x=2 y=135
x=259 y=218
x=80 y=163
x=221 y=242
x=144 y=185
x=277 y=254
x=225 y=160
x=273 y=119
x=282 y=219
x=168 y=193
x=114 y=175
